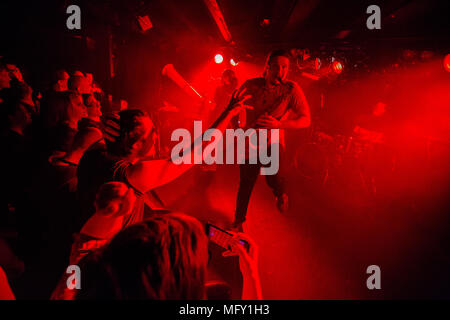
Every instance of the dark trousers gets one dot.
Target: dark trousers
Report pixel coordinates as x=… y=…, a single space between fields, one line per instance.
x=248 y=175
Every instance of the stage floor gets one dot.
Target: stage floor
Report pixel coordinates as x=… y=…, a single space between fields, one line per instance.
x=321 y=248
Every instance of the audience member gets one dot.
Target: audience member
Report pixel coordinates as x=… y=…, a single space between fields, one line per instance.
x=114 y=180
x=129 y=158
x=77 y=84
x=14 y=72
x=5 y=290
x=63 y=133
x=114 y=202
x=162 y=258
x=60 y=84
x=4 y=77
x=15 y=144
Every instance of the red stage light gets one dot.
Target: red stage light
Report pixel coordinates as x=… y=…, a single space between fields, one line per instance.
x=233 y=63
x=447 y=62
x=337 y=67
x=144 y=23
x=218 y=58
x=264 y=23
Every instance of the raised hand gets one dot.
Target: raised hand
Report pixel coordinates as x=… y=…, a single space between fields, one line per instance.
x=248 y=262
x=236 y=104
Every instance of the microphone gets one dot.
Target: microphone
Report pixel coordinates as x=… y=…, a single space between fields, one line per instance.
x=170 y=72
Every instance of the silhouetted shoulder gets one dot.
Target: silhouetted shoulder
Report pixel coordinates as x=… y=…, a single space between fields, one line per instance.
x=292 y=86
x=254 y=82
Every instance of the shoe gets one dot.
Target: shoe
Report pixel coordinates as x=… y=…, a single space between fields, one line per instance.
x=283 y=203
x=237 y=227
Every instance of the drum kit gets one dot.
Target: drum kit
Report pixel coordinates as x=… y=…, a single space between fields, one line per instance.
x=324 y=157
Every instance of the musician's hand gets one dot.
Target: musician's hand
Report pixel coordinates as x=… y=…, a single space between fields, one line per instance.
x=268 y=122
x=236 y=104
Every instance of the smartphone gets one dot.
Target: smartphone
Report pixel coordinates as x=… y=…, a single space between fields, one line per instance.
x=222 y=237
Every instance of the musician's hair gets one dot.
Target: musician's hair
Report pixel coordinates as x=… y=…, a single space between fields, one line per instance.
x=274 y=54
x=277 y=53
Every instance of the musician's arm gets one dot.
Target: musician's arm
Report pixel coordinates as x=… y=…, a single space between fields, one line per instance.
x=300 y=106
x=302 y=121
x=242 y=116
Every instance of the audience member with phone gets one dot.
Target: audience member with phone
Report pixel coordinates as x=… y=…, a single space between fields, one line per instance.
x=245 y=248
x=248 y=263
x=146 y=251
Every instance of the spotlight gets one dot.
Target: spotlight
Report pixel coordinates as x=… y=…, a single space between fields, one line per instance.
x=264 y=23
x=218 y=58
x=233 y=62
x=447 y=62
x=317 y=63
x=337 y=66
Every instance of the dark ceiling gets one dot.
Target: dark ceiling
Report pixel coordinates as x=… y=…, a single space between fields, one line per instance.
x=290 y=21
x=184 y=29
